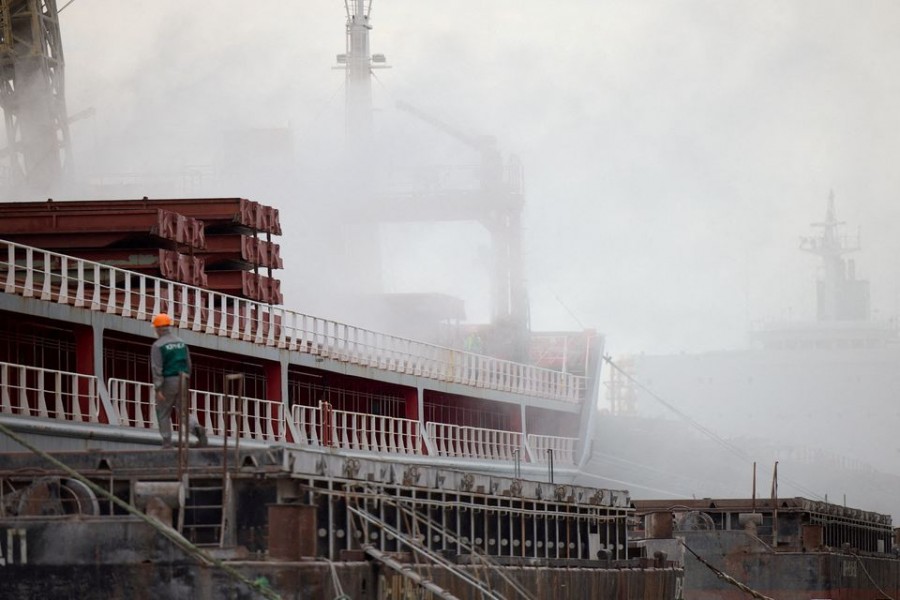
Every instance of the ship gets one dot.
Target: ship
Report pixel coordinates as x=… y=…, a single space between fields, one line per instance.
x=817 y=396
x=333 y=448
x=689 y=435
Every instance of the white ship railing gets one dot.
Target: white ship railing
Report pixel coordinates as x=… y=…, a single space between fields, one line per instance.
x=306 y=425
x=252 y=418
x=561 y=448
x=54 y=277
x=359 y=431
x=49 y=394
x=324 y=426
x=475 y=442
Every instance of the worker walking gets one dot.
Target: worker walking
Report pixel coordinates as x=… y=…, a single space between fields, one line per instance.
x=169 y=358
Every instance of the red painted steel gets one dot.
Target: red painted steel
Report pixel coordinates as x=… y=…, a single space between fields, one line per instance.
x=235 y=247
x=246 y=284
x=167 y=264
x=82 y=240
x=153 y=221
x=212 y=211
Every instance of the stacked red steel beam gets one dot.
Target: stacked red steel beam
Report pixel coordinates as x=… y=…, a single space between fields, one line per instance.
x=214 y=212
x=247 y=284
x=183 y=240
x=168 y=264
x=96 y=228
x=242 y=249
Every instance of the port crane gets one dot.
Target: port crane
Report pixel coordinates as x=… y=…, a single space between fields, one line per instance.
x=497 y=202
x=32 y=95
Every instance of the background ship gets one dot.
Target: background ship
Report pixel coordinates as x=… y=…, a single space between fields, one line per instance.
x=816 y=396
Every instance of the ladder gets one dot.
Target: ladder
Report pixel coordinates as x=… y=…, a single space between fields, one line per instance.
x=204 y=521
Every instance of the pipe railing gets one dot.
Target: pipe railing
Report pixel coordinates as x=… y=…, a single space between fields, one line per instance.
x=54 y=277
x=474 y=442
x=561 y=448
x=45 y=393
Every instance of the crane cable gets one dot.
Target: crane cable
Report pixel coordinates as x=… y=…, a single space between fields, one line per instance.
x=702 y=429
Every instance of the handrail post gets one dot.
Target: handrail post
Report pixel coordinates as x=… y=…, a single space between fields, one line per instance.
x=550 y=463
x=183 y=427
x=229 y=386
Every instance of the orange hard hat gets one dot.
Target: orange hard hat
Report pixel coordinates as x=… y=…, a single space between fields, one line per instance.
x=162 y=320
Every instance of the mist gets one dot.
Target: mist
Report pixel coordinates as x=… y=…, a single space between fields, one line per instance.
x=674 y=153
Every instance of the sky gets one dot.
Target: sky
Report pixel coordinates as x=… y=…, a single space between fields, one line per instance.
x=674 y=152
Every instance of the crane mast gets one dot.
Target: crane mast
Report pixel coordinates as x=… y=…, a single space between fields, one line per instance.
x=359 y=63
x=32 y=95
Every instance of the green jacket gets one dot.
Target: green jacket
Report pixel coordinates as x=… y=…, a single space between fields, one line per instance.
x=169 y=357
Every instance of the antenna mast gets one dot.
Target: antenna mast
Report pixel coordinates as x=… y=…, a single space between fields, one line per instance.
x=841 y=296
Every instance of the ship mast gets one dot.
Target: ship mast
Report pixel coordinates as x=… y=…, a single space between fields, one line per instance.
x=840 y=295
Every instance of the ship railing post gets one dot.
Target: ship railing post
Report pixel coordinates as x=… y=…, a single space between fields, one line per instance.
x=39 y=389
x=63 y=296
x=142 y=298
x=10 y=269
x=196 y=296
x=259 y=322
x=314 y=424
x=152 y=419
x=233 y=403
x=550 y=463
x=248 y=321
x=28 y=289
x=47 y=276
x=95 y=283
x=79 y=288
x=94 y=401
x=5 y=406
x=111 y=306
x=126 y=301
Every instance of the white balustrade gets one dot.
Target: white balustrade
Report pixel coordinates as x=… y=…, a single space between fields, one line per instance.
x=45 y=393
x=35 y=392
x=307 y=421
x=251 y=418
x=25 y=270
x=562 y=448
x=374 y=433
x=475 y=442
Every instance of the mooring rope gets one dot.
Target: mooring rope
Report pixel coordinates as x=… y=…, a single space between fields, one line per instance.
x=866 y=571
x=726 y=577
